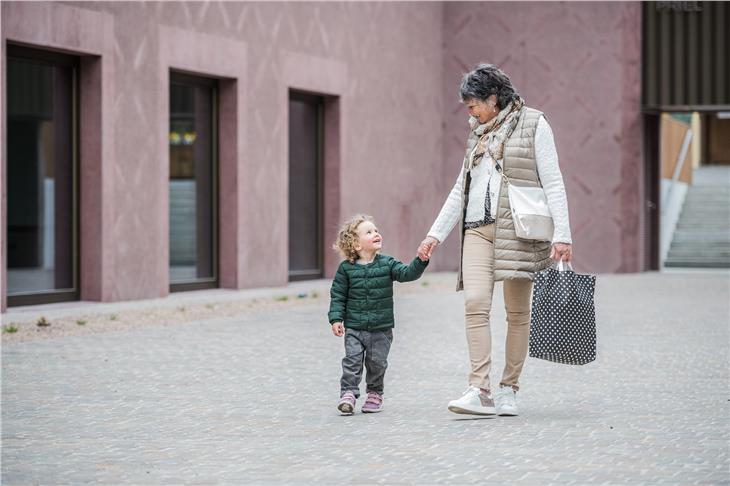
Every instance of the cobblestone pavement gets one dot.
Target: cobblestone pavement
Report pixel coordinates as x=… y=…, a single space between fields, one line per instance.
x=251 y=399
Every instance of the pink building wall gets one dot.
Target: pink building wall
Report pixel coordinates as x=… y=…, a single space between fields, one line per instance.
x=381 y=61
x=395 y=129
x=579 y=63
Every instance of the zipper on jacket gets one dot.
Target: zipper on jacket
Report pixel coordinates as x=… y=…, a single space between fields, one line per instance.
x=367 y=298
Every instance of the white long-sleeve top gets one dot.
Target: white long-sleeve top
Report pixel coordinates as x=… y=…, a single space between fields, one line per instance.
x=486 y=176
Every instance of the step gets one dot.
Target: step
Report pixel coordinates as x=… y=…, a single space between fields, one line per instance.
x=700 y=232
x=709 y=225
x=719 y=189
x=706 y=201
x=703 y=234
x=688 y=264
x=688 y=229
x=704 y=244
x=699 y=250
x=720 y=245
x=673 y=255
x=684 y=228
x=715 y=195
x=700 y=256
x=709 y=208
x=697 y=207
x=701 y=219
x=705 y=212
x=712 y=193
x=700 y=205
x=704 y=247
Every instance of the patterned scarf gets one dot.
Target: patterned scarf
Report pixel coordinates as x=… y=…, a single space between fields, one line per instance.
x=492 y=135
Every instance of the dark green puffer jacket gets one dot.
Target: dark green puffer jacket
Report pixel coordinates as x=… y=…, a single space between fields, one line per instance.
x=362 y=295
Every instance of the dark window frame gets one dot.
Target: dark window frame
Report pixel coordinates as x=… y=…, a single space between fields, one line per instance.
x=30 y=54
x=319 y=100
x=184 y=77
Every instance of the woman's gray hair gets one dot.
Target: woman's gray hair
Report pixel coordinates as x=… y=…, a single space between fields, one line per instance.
x=487 y=80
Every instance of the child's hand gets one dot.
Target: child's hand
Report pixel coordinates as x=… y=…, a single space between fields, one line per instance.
x=338 y=329
x=426 y=248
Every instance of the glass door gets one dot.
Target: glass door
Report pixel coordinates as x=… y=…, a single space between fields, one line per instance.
x=193 y=187
x=41 y=177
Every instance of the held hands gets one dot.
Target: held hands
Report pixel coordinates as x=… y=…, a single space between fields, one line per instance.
x=338 y=329
x=562 y=251
x=426 y=248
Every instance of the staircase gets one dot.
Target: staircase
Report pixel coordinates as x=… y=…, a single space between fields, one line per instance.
x=702 y=237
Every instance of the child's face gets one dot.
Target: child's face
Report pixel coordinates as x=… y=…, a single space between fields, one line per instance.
x=369 y=238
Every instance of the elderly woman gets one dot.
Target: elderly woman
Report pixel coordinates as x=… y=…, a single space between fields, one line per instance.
x=505 y=136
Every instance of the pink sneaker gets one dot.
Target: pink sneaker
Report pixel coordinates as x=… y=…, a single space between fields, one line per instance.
x=373 y=404
x=347 y=403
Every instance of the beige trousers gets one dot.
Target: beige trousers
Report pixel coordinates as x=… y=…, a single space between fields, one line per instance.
x=478 y=273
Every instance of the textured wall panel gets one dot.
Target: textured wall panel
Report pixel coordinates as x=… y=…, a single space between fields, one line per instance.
x=579 y=63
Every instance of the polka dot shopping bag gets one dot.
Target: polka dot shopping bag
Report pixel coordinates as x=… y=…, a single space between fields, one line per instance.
x=563 y=321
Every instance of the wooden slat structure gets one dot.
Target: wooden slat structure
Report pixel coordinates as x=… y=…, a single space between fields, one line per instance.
x=686 y=56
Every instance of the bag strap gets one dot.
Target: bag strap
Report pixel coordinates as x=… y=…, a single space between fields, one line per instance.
x=567 y=264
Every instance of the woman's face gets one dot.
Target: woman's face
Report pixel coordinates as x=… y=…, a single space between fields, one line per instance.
x=483 y=110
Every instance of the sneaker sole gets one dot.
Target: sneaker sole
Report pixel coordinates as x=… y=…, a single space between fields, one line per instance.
x=470 y=411
x=506 y=411
x=345 y=409
x=372 y=411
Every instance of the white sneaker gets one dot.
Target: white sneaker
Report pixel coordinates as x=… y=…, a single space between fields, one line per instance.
x=473 y=402
x=506 y=401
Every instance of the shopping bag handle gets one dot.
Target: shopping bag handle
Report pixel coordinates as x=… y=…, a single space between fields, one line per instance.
x=567 y=264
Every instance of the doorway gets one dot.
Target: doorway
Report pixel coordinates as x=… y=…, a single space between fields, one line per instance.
x=306 y=194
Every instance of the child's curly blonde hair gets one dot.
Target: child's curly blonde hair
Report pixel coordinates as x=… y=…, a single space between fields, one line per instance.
x=347 y=238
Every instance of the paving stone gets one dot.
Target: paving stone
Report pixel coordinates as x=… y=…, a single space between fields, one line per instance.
x=251 y=399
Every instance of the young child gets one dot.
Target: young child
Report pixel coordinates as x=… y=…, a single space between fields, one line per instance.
x=361 y=309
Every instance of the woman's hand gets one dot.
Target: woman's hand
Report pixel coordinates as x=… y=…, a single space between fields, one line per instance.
x=562 y=251
x=426 y=248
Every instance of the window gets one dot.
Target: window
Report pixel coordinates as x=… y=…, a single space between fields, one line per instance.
x=41 y=177
x=193 y=187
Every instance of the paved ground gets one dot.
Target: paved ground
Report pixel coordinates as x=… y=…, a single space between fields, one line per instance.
x=251 y=399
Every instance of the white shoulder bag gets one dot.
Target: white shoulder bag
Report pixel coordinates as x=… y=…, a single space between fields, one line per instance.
x=530 y=212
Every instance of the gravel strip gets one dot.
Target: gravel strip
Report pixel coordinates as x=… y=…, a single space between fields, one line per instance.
x=31 y=326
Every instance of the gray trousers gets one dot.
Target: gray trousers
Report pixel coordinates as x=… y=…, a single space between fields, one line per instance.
x=368 y=348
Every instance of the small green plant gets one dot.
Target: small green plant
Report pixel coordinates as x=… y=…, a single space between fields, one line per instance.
x=281 y=298
x=113 y=317
x=43 y=322
x=81 y=322
x=10 y=329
